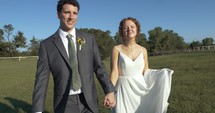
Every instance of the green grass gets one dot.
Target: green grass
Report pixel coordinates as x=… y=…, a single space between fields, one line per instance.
x=193 y=84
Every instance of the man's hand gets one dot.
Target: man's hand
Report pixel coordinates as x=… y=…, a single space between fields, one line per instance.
x=109 y=100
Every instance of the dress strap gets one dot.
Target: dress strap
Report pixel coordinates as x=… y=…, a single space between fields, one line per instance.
x=117 y=48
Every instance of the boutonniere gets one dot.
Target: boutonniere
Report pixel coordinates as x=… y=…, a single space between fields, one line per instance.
x=81 y=42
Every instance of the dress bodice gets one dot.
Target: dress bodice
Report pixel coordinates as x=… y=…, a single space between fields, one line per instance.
x=129 y=67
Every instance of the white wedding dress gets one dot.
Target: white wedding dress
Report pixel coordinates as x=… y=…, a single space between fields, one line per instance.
x=137 y=93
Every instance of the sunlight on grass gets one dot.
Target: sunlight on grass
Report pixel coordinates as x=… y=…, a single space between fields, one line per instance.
x=193 y=85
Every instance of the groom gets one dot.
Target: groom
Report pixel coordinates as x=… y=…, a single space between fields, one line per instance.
x=54 y=58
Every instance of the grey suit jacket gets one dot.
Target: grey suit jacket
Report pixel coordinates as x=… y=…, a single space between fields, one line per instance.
x=53 y=58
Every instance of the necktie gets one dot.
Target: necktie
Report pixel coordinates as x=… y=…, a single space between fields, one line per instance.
x=76 y=82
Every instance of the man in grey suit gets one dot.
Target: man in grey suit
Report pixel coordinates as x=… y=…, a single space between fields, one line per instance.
x=54 y=57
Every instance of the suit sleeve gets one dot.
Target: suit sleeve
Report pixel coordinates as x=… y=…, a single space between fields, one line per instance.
x=101 y=73
x=41 y=81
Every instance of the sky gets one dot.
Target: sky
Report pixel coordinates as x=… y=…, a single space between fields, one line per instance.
x=194 y=20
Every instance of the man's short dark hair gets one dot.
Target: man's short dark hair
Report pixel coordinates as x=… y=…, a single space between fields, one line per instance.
x=61 y=3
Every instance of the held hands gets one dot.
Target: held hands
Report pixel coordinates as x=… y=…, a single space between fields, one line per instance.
x=109 y=100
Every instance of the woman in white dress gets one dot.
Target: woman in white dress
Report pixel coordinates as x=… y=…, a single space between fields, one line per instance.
x=139 y=89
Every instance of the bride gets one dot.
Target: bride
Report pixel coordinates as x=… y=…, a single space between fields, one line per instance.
x=139 y=89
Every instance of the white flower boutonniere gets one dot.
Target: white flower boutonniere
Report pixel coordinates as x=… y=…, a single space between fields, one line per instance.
x=81 y=42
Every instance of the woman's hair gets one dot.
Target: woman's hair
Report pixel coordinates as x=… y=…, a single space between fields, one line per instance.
x=63 y=2
x=123 y=22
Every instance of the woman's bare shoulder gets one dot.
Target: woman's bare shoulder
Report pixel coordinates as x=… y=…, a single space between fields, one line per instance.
x=143 y=49
x=118 y=47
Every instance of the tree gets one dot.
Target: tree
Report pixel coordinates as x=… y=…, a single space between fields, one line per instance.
x=106 y=43
x=19 y=40
x=164 y=41
x=174 y=41
x=1 y=35
x=207 y=41
x=195 y=44
x=154 y=40
x=8 y=30
x=104 y=40
x=141 y=40
x=34 y=46
x=117 y=39
x=1 y=41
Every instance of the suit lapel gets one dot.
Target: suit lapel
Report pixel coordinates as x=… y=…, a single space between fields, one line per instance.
x=59 y=44
x=79 y=57
x=78 y=34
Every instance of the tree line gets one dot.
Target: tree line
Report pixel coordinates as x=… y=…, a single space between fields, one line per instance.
x=159 y=42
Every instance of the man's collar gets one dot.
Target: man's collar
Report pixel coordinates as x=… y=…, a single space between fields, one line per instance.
x=64 y=33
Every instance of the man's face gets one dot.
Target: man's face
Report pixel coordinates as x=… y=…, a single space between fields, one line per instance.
x=68 y=17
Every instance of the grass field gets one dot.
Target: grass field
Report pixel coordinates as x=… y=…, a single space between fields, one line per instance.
x=193 y=84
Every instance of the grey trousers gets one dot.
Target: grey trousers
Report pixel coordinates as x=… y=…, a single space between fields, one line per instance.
x=74 y=104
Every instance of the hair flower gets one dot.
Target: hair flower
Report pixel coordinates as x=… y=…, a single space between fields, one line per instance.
x=81 y=42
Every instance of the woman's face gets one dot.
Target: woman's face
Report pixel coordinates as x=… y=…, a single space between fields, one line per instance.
x=129 y=29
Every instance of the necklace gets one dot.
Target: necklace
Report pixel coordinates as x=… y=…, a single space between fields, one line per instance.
x=130 y=48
